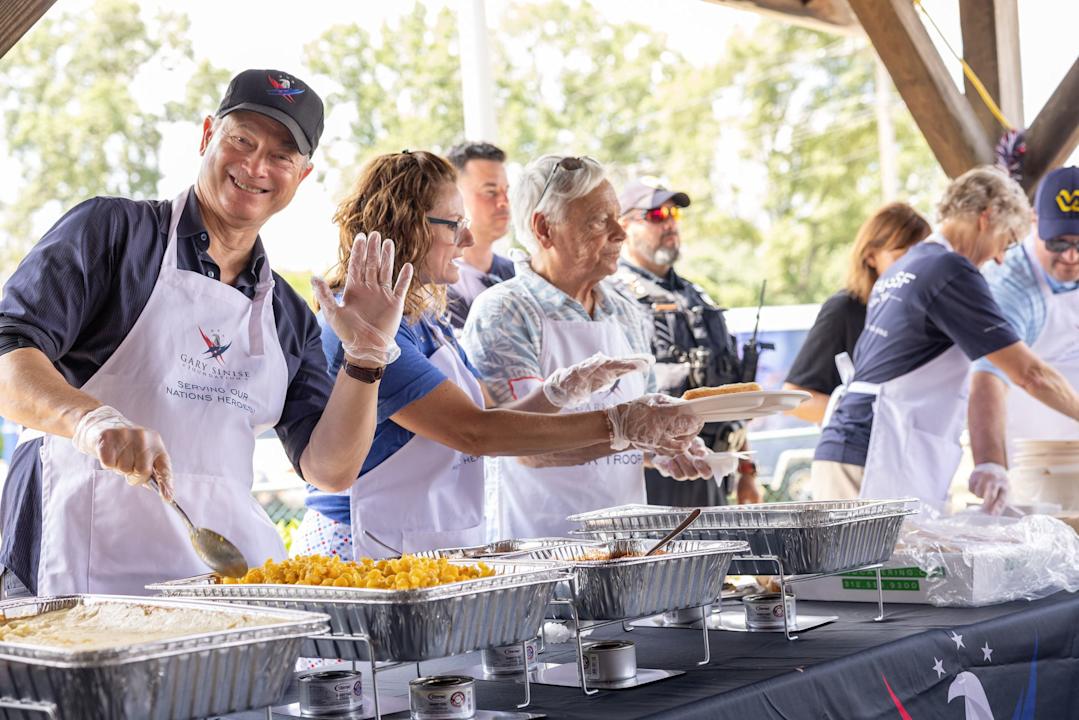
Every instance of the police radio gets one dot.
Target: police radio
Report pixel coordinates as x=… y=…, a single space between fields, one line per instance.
x=751 y=349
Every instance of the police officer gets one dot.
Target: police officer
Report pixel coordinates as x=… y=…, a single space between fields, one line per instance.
x=691 y=342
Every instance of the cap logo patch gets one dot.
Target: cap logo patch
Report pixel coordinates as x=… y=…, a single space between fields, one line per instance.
x=282 y=87
x=1068 y=201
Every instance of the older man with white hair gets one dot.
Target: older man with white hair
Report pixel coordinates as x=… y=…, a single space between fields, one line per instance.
x=559 y=310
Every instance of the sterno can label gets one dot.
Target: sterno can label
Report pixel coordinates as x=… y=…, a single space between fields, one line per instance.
x=442 y=697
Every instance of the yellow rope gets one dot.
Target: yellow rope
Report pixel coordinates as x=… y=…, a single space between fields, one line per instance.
x=969 y=73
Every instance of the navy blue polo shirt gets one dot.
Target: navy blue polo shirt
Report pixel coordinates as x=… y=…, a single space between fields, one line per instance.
x=928 y=301
x=78 y=293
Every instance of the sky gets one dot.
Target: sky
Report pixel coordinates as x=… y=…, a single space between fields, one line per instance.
x=302 y=237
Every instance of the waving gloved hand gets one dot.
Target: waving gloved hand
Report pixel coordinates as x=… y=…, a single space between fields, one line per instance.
x=989 y=481
x=123 y=447
x=367 y=318
x=655 y=423
x=574 y=385
x=690 y=465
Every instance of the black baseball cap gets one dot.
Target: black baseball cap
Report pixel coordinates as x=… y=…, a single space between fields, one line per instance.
x=649 y=194
x=282 y=97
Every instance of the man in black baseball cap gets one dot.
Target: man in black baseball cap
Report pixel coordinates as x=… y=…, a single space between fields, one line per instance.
x=691 y=343
x=206 y=348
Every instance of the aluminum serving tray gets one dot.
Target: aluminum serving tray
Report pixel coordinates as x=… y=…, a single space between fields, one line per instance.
x=497 y=548
x=190 y=677
x=689 y=574
x=808 y=537
x=405 y=625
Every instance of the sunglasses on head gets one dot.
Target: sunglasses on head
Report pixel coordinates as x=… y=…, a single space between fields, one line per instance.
x=569 y=164
x=662 y=214
x=1061 y=244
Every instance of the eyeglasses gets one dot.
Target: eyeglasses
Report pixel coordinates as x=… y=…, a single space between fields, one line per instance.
x=458 y=226
x=569 y=164
x=662 y=214
x=1060 y=244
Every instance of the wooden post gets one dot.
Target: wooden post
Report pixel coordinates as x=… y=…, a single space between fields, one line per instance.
x=1054 y=134
x=991 y=48
x=18 y=16
x=944 y=116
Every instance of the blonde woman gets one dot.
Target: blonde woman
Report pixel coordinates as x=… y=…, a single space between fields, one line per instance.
x=881 y=240
x=421 y=486
x=895 y=433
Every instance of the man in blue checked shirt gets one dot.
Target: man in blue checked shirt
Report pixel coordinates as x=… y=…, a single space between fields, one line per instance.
x=1036 y=290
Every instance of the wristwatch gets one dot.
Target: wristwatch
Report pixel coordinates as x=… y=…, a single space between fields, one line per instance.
x=747 y=467
x=367 y=375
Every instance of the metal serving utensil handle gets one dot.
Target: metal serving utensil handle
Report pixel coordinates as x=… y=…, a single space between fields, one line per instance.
x=152 y=482
x=374 y=539
x=675 y=533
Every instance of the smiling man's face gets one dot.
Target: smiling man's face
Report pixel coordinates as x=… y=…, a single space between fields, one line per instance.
x=250 y=168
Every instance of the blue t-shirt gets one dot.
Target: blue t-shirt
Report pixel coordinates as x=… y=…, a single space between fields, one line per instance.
x=928 y=301
x=409 y=378
x=1015 y=288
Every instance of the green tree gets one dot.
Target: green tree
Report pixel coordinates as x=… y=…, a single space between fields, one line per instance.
x=71 y=120
x=402 y=83
x=811 y=124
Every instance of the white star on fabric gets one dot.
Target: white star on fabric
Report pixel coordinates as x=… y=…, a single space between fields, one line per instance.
x=958 y=640
x=939 y=668
x=987 y=652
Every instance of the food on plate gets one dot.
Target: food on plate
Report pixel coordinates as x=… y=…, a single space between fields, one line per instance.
x=111 y=625
x=405 y=573
x=730 y=389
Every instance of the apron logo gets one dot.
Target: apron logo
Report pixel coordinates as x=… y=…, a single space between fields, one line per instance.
x=214 y=349
x=1068 y=201
x=282 y=87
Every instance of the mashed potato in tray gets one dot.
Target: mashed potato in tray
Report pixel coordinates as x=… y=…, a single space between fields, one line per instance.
x=405 y=573
x=112 y=625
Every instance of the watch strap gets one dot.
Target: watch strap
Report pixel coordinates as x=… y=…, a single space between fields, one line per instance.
x=367 y=375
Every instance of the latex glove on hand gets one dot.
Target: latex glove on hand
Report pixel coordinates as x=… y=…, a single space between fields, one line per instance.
x=123 y=447
x=989 y=481
x=690 y=465
x=575 y=385
x=369 y=314
x=653 y=423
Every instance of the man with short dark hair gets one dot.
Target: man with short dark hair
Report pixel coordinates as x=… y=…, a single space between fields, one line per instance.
x=691 y=343
x=148 y=340
x=481 y=178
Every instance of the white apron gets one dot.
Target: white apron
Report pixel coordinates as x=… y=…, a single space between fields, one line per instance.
x=845 y=366
x=426 y=495
x=914 y=446
x=100 y=535
x=535 y=501
x=1058 y=345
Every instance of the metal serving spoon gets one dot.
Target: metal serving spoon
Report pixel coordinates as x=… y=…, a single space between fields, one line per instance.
x=212 y=548
x=675 y=533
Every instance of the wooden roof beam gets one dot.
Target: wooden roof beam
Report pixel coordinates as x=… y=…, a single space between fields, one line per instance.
x=18 y=16
x=833 y=16
x=1054 y=134
x=991 y=48
x=943 y=115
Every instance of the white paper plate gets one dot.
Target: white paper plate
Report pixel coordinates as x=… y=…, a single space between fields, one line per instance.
x=746 y=405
